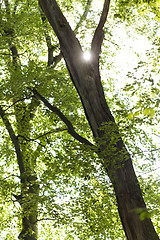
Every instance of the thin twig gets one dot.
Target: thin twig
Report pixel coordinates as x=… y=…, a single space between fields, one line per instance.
x=146 y=151
x=47 y=133
x=149 y=171
x=11 y=175
x=53 y=131
x=19 y=100
x=84 y=16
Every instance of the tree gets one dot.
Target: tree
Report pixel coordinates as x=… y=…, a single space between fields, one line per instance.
x=39 y=142
x=20 y=127
x=116 y=159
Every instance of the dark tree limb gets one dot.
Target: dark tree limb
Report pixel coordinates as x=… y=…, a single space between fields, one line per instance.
x=53 y=61
x=50 y=46
x=14 y=140
x=99 y=32
x=56 y=110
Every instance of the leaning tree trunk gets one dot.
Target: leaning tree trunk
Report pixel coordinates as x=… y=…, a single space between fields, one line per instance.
x=29 y=187
x=117 y=161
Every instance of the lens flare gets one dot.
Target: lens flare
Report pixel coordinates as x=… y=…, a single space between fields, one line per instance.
x=87 y=56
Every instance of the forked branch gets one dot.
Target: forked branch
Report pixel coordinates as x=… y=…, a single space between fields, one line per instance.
x=99 y=33
x=53 y=61
x=56 y=110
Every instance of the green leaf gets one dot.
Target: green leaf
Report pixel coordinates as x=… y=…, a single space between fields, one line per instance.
x=130 y=116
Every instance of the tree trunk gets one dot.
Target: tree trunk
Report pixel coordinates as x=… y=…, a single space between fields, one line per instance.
x=29 y=187
x=29 y=204
x=116 y=159
x=29 y=184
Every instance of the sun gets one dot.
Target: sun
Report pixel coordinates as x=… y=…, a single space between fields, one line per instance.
x=87 y=56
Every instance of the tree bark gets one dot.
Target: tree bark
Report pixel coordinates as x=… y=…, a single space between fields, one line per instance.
x=29 y=187
x=117 y=162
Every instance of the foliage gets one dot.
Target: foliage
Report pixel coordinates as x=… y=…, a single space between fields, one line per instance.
x=75 y=199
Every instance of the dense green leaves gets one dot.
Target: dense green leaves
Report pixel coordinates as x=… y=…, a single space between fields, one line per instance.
x=75 y=199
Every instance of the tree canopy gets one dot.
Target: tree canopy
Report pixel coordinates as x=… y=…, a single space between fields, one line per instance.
x=53 y=177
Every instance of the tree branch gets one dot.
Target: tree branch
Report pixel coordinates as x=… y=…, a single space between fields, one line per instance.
x=47 y=219
x=51 y=48
x=7 y=7
x=84 y=15
x=44 y=134
x=56 y=110
x=19 y=100
x=53 y=61
x=99 y=33
x=52 y=131
x=70 y=46
x=9 y=31
x=14 y=140
x=146 y=151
